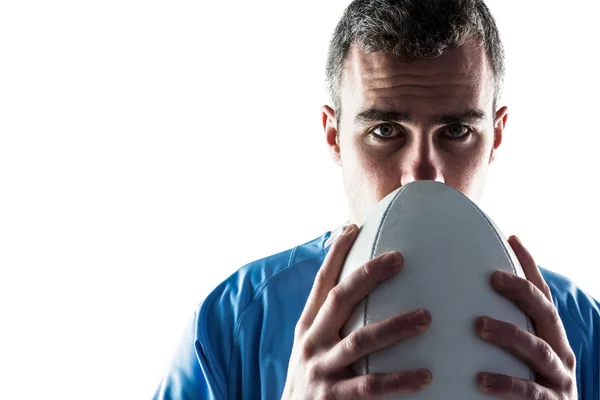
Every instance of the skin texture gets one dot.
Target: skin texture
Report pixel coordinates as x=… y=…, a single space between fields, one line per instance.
x=458 y=81
x=435 y=102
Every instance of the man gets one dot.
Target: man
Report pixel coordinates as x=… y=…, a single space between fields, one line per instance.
x=415 y=89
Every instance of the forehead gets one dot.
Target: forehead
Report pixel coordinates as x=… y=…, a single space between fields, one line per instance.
x=459 y=77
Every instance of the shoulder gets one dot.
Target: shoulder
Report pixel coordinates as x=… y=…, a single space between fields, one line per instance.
x=225 y=306
x=207 y=352
x=229 y=322
x=578 y=305
x=580 y=315
x=243 y=285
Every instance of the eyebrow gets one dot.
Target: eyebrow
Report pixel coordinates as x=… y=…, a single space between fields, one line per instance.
x=373 y=114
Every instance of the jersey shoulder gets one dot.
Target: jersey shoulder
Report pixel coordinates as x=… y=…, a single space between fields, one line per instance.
x=580 y=315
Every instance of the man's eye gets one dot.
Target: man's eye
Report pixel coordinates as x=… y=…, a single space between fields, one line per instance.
x=458 y=132
x=385 y=131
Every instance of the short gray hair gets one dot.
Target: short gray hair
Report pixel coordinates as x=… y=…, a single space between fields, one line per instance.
x=412 y=29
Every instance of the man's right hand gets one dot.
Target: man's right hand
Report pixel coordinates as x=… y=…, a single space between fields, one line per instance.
x=320 y=363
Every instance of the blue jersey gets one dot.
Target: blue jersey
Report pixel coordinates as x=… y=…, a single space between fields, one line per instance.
x=239 y=341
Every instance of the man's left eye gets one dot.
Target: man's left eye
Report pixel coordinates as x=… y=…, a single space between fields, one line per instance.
x=457 y=131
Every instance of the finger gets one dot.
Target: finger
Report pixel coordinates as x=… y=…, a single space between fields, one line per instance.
x=532 y=272
x=327 y=276
x=375 y=337
x=534 y=351
x=377 y=386
x=342 y=299
x=548 y=325
x=510 y=388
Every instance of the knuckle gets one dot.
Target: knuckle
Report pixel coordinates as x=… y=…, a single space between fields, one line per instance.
x=366 y=270
x=298 y=331
x=334 y=298
x=325 y=394
x=313 y=373
x=530 y=289
x=353 y=343
x=545 y=353
x=509 y=334
x=533 y=392
x=546 y=289
x=555 y=316
x=320 y=278
x=301 y=327
x=571 y=361
x=369 y=386
x=399 y=381
x=513 y=332
x=569 y=386
x=307 y=350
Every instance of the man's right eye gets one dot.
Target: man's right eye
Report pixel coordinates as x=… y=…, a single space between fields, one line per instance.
x=385 y=131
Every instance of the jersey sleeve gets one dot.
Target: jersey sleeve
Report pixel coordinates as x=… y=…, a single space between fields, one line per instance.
x=191 y=375
x=591 y=372
x=218 y=356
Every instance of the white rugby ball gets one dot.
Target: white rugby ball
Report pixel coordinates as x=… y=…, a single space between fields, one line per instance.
x=450 y=249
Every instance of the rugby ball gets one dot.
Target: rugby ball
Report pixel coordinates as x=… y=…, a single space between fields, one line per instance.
x=450 y=249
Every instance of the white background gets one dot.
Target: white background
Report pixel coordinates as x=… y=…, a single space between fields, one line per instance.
x=148 y=149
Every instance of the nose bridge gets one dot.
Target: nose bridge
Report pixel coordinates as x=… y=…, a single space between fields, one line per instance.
x=420 y=161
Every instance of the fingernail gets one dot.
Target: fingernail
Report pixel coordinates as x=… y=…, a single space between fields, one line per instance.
x=391 y=258
x=490 y=380
x=423 y=376
x=349 y=229
x=518 y=240
x=490 y=325
x=520 y=250
x=505 y=277
x=418 y=317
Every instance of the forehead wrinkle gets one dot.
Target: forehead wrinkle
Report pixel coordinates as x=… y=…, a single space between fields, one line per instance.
x=417 y=80
x=379 y=78
x=451 y=91
x=464 y=64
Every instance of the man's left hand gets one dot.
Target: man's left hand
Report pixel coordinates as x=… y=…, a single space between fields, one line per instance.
x=547 y=353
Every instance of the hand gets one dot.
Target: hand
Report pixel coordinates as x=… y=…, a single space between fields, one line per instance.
x=320 y=363
x=548 y=353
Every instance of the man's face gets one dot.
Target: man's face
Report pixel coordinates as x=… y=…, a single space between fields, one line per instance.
x=421 y=120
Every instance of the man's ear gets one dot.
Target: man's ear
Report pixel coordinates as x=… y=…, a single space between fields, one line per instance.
x=331 y=134
x=499 y=124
